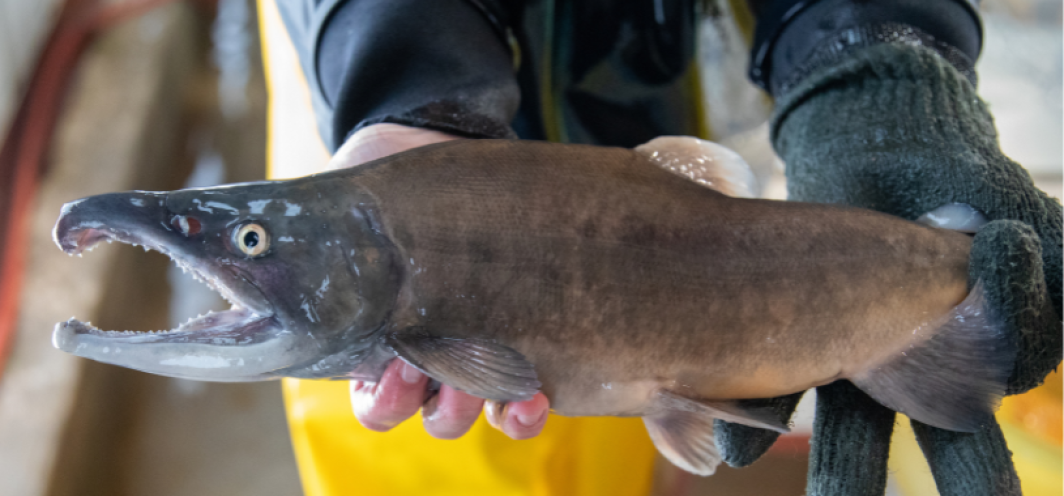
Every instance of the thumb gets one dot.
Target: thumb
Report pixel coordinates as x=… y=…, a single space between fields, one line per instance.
x=380 y=140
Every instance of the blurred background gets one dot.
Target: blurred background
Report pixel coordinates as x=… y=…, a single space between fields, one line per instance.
x=99 y=96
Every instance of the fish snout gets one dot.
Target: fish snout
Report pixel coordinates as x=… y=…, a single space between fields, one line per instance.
x=122 y=216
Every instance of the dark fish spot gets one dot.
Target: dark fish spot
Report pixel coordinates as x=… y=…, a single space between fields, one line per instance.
x=639 y=232
x=551 y=274
x=589 y=229
x=480 y=252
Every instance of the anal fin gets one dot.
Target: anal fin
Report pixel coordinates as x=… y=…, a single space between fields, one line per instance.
x=685 y=439
x=764 y=417
x=955 y=379
x=682 y=428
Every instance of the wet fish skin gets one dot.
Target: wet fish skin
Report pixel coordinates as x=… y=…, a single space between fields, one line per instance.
x=614 y=278
x=503 y=267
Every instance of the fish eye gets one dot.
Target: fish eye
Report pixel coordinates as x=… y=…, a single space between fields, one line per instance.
x=251 y=239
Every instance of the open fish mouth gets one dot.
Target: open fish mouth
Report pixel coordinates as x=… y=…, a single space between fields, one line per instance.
x=238 y=325
x=241 y=343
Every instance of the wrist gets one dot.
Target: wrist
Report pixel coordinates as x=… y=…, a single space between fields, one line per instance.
x=380 y=140
x=887 y=94
x=438 y=64
x=887 y=113
x=796 y=37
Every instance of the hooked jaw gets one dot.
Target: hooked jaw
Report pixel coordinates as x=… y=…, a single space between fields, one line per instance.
x=245 y=343
x=240 y=346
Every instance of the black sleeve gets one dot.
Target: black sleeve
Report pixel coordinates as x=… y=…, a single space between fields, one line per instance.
x=439 y=64
x=794 y=38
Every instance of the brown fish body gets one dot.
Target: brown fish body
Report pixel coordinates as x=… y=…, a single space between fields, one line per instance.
x=594 y=275
x=616 y=278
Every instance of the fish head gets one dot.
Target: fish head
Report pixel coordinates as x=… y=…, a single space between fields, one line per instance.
x=306 y=272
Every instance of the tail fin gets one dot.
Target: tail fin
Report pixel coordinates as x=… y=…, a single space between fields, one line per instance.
x=953 y=380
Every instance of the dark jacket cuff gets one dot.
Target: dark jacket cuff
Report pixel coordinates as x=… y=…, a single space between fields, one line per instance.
x=795 y=38
x=439 y=65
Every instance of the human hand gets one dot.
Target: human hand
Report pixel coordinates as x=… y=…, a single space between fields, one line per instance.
x=380 y=140
x=402 y=390
x=897 y=129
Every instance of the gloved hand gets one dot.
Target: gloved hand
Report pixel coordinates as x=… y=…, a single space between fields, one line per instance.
x=896 y=128
x=402 y=389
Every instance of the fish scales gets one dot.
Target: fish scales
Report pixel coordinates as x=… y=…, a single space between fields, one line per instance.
x=598 y=276
x=609 y=271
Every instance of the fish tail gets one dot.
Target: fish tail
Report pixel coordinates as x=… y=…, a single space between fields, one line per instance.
x=956 y=378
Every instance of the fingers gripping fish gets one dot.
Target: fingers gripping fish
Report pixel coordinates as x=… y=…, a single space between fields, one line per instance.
x=616 y=287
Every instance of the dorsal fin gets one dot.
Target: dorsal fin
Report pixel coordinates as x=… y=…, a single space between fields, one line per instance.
x=703 y=162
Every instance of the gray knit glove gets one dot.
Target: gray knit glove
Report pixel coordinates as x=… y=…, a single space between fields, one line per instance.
x=898 y=129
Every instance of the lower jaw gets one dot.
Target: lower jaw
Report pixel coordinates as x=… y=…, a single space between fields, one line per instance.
x=234 y=355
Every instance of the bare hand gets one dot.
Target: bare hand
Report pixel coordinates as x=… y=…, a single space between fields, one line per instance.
x=402 y=389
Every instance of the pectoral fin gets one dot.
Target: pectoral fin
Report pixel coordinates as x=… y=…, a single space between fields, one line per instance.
x=682 y=428
x=479 y=367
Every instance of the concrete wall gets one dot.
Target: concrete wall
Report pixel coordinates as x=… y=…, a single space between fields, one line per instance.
x=24 y=27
